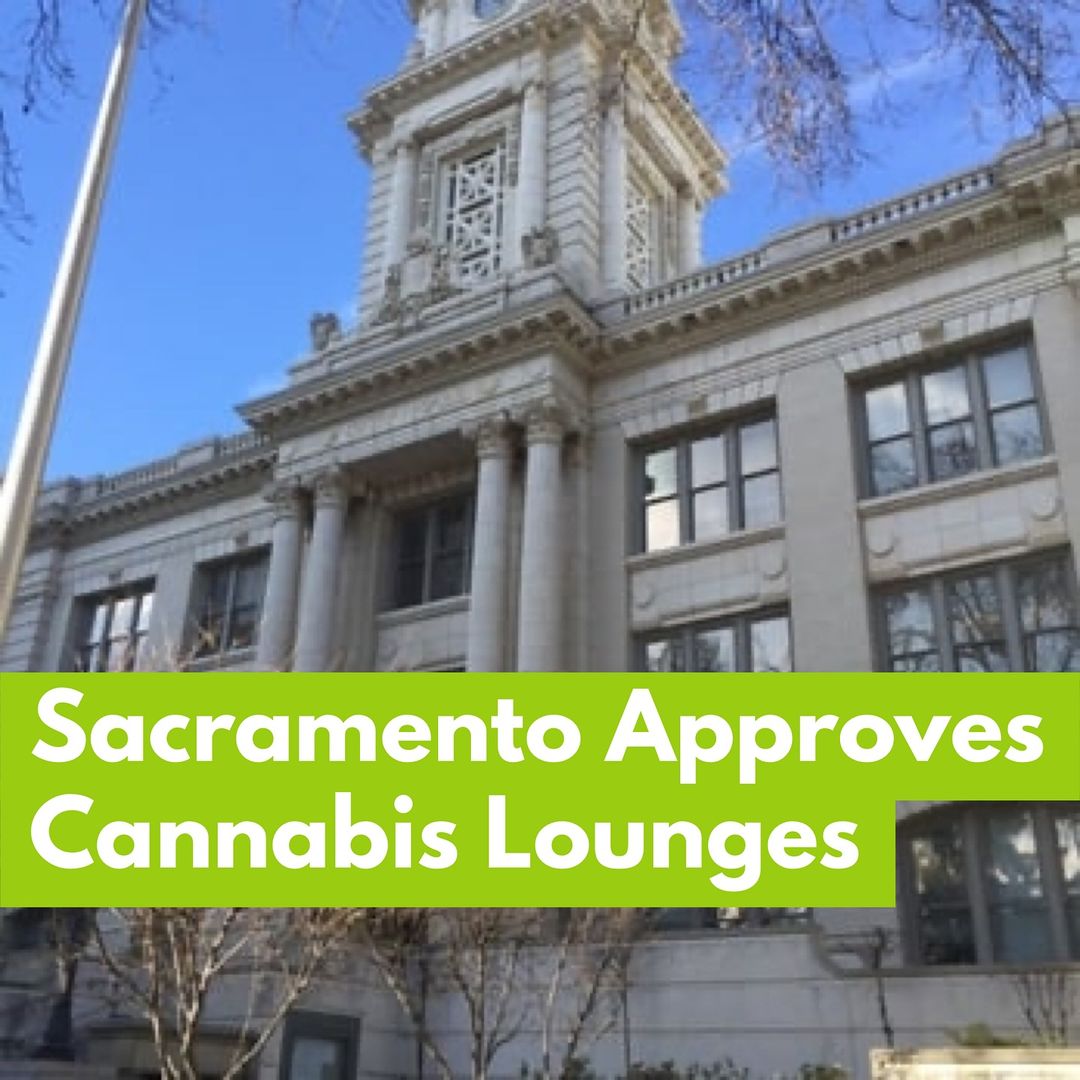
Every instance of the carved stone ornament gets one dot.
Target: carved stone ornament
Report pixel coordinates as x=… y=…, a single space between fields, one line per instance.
x=540 y=247
x=325 y=330
x=390 y=308
x=286 y=497
x=331 y=488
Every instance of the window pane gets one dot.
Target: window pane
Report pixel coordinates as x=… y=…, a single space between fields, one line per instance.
x=412 y=537
x=1017 y=434
x=1045 y=596
x=1018 y=915
x=892 y=466
x=447 y=576
x=952 y=450
x=451 y=528
x=757 y=447
x=976 y=625
x=146 y=609
x=711 y=513
x=1067 y=825
x=122 y=618
x=946 y=395
x=662 y=525
x=409 y=588
x=661 y=473
x=97 y=626
x=944 y=914
x=317 y=1059
x=1008 y=378
x=887 y=412
x=665 y=655
x=909 y=618
x=708 y=461
x=770 y=644
x=714 y=650
x=761 y=501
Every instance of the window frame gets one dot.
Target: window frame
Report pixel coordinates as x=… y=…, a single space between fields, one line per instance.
x=685 y=488
x=981 y=414
x=430 y=511
x=304 y=1024
x=85 y=608
x=1006 y=575
x=741 y=625
x=973 y=819
x=232 y=565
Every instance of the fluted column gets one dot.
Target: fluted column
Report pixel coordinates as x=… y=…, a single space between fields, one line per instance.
x=487 y=617
x=277 y=629
x=402 y=192
x=613 y=241
x=540 y=611
x=689 y=233
x=532 y=164
x=322 y=575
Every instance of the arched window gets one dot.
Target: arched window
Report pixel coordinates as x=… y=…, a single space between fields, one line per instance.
x=985 y=883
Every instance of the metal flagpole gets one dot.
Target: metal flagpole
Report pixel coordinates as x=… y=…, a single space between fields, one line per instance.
x=21 y=483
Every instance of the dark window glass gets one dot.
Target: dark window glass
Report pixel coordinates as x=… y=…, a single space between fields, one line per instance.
x=1016 y=616
x=742 y=644
x=113 y=630
x=944 y=913
x=1067 y=829
x=231 y=605
x=1018 y=914
x=974 y=414
x=434 y=552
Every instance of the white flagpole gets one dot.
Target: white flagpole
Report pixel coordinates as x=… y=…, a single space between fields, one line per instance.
x=20 y=486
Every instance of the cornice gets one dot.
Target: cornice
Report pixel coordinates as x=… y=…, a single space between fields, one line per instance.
x=558 y=322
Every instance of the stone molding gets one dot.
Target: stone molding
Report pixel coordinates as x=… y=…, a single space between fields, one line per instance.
x=331 y=489
x=287 y=499
x=494 y=436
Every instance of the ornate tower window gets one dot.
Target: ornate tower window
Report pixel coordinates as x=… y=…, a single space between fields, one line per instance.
x=640 y=230
x=474 y=213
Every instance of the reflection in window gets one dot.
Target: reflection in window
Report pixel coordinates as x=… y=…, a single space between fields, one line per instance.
x=1019 y=616
x=974 y=414
x=747 y=643
x=986 y=881
x=706 y=487
x=1018 y=915
x=112 y=630
x=434 y=552
x=231 y=604
x=944 y=916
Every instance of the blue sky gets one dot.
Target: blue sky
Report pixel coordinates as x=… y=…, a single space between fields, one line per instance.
x=236 y=210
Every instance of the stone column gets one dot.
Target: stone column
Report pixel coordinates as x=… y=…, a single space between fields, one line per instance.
x=434 y=27
x=487 y=617
x=689 y=233
x=402 y=192
x=277 y=630
x=540 y=611
x=532 y=162
x=314 y=638
x=613 y=216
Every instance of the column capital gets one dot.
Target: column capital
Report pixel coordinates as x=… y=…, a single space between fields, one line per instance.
x=546 y=422
x=286 y=497
x=331 y=488
x=493 y=435
x=534 y=86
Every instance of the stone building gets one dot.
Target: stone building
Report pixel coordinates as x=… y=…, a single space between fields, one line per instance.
x=556 y=440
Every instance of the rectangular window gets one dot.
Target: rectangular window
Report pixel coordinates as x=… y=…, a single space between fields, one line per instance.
x=229 y=604
x=319 y=1047
x=1015 y=616
x=989 y=882
x=706 y=486
x=473 y=224
x=433 y=557
x=757 y=643
x=975 y=413
x=111 y=629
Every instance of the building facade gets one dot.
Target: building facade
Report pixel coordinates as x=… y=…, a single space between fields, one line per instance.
x=556 y=441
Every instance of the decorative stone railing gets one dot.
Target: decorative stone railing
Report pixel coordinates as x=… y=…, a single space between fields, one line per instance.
x=923 y=201
x=208 y=452
x=815 y=238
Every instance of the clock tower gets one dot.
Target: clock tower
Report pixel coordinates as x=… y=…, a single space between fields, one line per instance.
x=522 y=134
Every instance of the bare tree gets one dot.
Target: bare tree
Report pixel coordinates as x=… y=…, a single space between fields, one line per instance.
x=167 y=962
x=513 y=972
